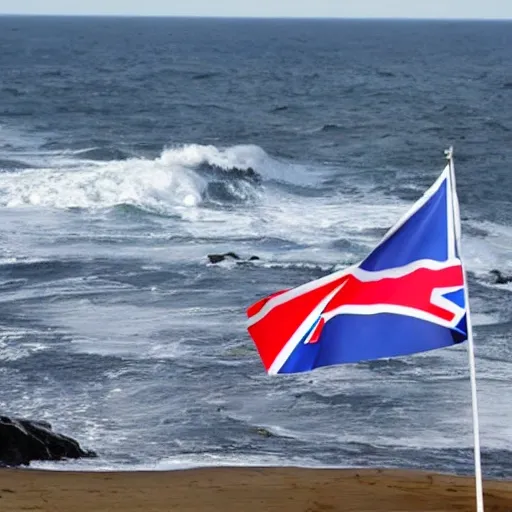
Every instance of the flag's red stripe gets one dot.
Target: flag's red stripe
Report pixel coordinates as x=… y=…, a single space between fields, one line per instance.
x=318 y=330
x=272 y=332
x=413 y=290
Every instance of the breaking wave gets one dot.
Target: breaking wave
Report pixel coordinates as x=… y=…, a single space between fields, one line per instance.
x=186 y=176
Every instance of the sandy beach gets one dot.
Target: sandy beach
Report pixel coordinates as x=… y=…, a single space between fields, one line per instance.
x=246 y=489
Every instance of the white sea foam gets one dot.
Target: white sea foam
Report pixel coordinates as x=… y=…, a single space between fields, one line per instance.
x=144 y=183
x=13 y=344
x=171 y=184
x=179 y=462
x=63 y=181
x=491 y=251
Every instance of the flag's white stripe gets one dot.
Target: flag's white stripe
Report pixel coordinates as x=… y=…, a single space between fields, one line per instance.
x=312 y=331
x=297 y=336
x=362 y=275
x=396 y=272
x=375 y=309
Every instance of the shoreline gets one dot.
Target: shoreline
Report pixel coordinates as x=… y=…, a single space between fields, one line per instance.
x=246 y=489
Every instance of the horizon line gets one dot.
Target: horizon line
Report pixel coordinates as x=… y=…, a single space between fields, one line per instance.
x=250 y=17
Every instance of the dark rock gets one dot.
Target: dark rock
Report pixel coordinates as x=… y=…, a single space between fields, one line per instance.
x=22 y=441
x=233 y=255
x=217 y=258
x=245 y=174
x=251 y=173
x=264 y=432
x=499 y=278
x=331 y=128
x=248 y=173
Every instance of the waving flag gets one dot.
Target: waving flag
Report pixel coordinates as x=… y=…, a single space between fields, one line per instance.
x=406 y=296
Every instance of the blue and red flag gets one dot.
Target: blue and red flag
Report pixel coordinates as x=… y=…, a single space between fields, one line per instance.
x=408 y=295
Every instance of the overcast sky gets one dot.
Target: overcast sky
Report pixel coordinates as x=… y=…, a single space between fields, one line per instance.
x=277 y=8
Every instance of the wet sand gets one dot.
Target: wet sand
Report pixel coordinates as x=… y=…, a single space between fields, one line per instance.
x=246 y=490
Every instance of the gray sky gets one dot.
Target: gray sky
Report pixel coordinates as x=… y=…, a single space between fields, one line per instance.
x=289 y=8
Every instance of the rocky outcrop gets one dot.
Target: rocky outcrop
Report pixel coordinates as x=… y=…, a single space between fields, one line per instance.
x=217 y=258
x=247 y=173
x=23 y=441
x=500 y=278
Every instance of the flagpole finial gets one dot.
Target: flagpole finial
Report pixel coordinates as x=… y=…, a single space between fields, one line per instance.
x=449 y=153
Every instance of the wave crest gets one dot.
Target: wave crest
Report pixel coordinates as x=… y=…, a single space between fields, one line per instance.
x=180 y=177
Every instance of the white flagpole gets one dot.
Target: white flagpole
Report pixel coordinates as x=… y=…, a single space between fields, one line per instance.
x=471 y=353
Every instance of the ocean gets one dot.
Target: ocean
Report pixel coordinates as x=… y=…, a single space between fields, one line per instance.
x=124 y=149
